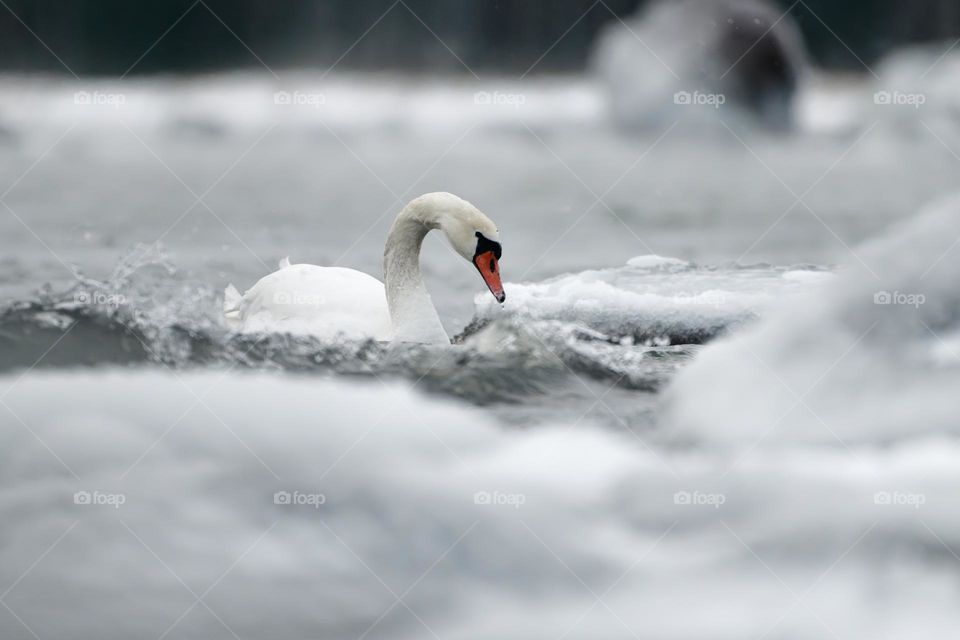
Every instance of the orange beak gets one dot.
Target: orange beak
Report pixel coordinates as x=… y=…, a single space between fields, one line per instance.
x=486 y=264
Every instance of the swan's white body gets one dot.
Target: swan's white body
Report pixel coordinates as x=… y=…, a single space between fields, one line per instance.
x=331 y=302
x=304 y=299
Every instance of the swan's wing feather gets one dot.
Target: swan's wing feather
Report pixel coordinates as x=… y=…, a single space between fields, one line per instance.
x=320 y=301
x=284 y=263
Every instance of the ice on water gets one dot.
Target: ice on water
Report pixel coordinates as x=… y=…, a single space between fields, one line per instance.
x=656 y=299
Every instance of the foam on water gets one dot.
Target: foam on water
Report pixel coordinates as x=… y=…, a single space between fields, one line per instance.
x=869 y=358
x=146 y=486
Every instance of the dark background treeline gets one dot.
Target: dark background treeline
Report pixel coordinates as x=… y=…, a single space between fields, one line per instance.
x=111 y=36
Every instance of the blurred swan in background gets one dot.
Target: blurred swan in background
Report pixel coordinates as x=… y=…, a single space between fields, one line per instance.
x=326 y=302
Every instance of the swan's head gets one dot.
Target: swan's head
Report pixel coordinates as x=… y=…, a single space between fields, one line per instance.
x=471 y=234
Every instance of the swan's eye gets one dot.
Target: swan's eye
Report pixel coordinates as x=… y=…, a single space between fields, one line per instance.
x=484 y=245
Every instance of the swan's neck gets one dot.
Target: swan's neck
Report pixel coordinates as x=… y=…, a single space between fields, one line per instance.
x=411 y=310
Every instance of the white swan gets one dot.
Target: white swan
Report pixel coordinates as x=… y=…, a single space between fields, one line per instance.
x=330 y=301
